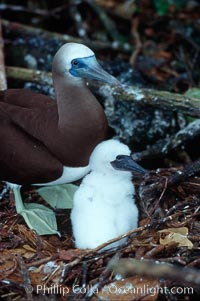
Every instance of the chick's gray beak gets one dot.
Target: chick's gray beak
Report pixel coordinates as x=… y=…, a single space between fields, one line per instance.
x=93 y=70
x=126 y=163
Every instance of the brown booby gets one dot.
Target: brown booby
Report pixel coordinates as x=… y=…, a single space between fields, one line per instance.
x=43 y=141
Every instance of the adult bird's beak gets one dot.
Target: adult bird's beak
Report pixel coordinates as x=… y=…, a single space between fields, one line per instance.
x=126 y=163
x=92 y=70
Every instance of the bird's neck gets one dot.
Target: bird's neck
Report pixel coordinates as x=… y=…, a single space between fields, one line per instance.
x=79 y=116
x=74 y=100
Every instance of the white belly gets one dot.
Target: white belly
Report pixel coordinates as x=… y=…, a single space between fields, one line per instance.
x=70 y=174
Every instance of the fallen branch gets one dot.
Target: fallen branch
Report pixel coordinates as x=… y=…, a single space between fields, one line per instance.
x=130 y=267
x=34 y=76
x=139 y=96
x=64 y=38
x=161 y=99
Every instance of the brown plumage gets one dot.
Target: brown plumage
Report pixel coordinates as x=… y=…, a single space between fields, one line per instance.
x=38 y=136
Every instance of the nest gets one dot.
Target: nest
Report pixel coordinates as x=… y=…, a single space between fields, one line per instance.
x=159 y=262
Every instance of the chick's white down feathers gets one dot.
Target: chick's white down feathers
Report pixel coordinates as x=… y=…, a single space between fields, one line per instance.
x=104 y=206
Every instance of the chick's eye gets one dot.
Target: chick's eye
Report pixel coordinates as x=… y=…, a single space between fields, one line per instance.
x=119 y=157
x=75 y=63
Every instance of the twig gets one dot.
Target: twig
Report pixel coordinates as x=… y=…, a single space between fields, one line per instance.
x=26 y=278
x=3 y=84
x=194 y=262
x=182 y=205
x=106 y=21
x=149 y=191
x=103 y=280
x=181 y=175
x=130 y=267
x=153 y=208
x=64 y=38
x=138 y=43
x=42 y=261
x=153 y=252
x=49 y=277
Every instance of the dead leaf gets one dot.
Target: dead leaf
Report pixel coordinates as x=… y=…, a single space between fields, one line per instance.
x=29 y=248
x=17 y=251
x=8 y=265
x=70 y=254
x=28 y=255
x=178 y=235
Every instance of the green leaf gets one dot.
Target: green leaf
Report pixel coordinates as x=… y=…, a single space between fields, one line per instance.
x=58 y=196
x=37 y=217
x=40 y=218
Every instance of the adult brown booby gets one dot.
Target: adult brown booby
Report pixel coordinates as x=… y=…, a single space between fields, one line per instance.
x=43 y=141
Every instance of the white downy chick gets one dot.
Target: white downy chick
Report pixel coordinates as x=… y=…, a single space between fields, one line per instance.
x=104 y=206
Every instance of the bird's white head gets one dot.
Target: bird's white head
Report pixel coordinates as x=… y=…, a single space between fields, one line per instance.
x=104 y=153
x=76 y=62
x=67 y=54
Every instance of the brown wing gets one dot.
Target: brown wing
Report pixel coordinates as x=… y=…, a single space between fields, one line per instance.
x=23 y=158
x=37 y=117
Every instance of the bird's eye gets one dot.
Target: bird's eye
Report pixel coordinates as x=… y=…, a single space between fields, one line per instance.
x=119 y=157
x=75 y=63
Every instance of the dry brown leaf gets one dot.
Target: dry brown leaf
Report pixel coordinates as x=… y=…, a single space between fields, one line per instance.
x=28 y=255
x=29 y=248
x=178 y=235
x=17 y=251
x=6 y=262
x=129 y=289
x=37 y=278
x=39 y=269
x=8 y=265
x=70 y=254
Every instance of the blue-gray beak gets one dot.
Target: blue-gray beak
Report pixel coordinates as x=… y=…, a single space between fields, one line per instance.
x=126 y=163
x=89 y=68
